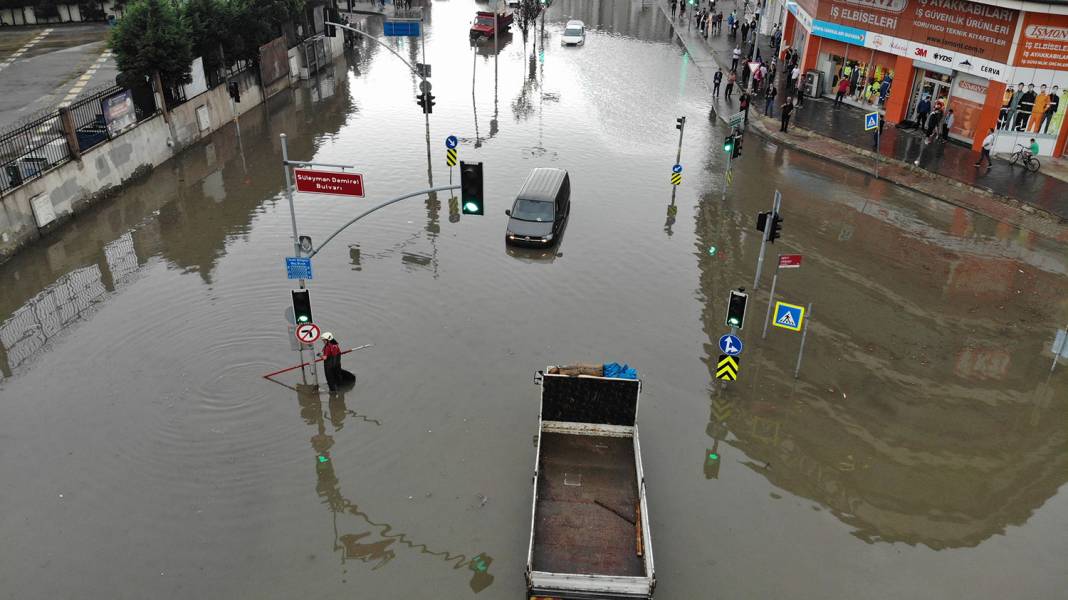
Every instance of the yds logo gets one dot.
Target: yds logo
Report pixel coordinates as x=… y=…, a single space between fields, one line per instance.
x=943 y=57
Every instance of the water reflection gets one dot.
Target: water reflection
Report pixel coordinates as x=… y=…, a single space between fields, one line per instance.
x=921 y=415
x=192 y=209
x=378 y=545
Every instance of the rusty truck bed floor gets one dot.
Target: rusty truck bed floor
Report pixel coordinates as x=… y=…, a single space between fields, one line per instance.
x=587 y=500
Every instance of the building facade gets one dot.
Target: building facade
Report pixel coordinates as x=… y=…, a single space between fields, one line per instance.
x=997 y=64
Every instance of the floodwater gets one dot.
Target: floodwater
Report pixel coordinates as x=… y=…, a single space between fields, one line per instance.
x=921 y=452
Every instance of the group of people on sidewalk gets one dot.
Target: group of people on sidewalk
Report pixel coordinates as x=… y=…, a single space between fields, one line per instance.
x=763 y=84
x=709 y=21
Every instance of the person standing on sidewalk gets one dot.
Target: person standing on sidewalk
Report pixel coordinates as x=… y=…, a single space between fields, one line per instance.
x=786 y=108
x=795 y=73
x=922 y=110
x=743 y=105
x=674 y=7
x=769 y=101
x=735 y=55
x=717 y=78
x=933 y=122
x=947 y=123
x=988 y=145
x=776 y=39
x=843 y=88
x=731 y=78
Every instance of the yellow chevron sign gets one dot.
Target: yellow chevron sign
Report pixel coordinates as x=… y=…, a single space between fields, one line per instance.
x=450 y=157
x=676 y=178
x=721 y=409
x=727 y=368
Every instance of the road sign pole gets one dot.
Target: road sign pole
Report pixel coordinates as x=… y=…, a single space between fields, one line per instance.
x=289 y=195
x=801 y=351
x=876 y=153
x=771 y=302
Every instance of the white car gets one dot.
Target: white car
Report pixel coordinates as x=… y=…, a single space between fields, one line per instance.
x=574 y=34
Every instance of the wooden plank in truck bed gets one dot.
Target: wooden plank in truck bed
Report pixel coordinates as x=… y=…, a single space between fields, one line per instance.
x=586 y=492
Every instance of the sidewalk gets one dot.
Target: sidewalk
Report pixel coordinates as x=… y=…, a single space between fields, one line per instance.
x=838 y=135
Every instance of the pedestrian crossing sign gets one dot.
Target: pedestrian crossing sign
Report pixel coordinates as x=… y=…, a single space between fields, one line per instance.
x=871 y=121
x=789 y=316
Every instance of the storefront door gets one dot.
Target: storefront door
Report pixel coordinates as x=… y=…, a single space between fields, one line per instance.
x=936 y=86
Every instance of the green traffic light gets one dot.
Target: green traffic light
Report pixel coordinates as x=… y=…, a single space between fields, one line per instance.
x=713 y=456
x=734 y=322
x=323 y=459
x=302 y=318
x=728 y=148
x=711 y=250
x=471 y=207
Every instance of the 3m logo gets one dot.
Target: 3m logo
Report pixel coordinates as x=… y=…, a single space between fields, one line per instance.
x=920 y=52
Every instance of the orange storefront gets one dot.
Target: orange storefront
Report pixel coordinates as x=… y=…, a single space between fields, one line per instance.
x=960 y=52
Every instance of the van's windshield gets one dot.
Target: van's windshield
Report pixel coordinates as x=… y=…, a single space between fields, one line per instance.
x=532 y=210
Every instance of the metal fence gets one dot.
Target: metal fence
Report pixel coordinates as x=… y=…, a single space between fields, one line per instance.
x=31 y=149
x=34 y=146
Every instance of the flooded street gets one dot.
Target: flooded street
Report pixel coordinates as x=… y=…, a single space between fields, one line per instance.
x=921 y=453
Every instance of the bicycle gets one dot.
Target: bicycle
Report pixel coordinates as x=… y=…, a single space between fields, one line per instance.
x=1024 y=156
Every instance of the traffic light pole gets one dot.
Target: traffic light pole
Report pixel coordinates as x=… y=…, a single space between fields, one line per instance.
x=775 y=204
x=286 y=164
x=725 y=173
x=383 y=205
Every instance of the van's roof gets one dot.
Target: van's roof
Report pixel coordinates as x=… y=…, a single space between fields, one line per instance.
x=542 y=184
x=571 y=24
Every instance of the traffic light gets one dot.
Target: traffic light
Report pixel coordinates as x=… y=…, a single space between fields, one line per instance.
x=302 y=307
x=711 y=464
x=471 y=188
x=426 y=102
x=728 y=144
x=736 y=308
x=737 y=145
x=762 y=221
x=680 y=123
x=776 y=227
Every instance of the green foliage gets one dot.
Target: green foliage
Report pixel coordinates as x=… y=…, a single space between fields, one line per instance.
x=151 y=37
x=210 y=23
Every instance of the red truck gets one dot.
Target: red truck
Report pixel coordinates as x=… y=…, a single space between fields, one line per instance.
x=485 y=25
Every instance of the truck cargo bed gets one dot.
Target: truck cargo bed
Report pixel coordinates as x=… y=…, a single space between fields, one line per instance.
x=586 y=506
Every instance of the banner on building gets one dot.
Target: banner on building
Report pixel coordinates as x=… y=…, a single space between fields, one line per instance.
x=119 y=112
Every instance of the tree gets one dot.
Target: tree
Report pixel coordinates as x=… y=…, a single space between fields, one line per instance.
x=525 y=16
x=210 y=23
x=149 y=38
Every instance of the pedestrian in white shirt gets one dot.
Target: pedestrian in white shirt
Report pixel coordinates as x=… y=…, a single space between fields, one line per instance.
x=988 y=145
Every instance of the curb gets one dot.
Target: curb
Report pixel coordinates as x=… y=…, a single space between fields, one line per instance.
x=758 y=125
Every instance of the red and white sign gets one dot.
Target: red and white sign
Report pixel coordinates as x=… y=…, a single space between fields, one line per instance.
x=329 y=182
x=789 y=261
x=308 y=333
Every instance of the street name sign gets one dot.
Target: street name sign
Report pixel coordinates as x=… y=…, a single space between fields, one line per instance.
x=789 y=261
x=400 y=27
x=298 y=267
x=871 y=121
x=337 y=183
x=308 y=333
x=731 y=345
x=789 y=316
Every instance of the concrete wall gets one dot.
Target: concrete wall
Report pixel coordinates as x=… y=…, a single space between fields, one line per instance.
x=74 y=185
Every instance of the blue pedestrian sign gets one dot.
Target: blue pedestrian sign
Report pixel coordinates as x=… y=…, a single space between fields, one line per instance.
x=789 y=316
x=450 y=142
x=871 y=121
x=298 y=267
x=676 y=169
x=731 y=345
x=400 y=28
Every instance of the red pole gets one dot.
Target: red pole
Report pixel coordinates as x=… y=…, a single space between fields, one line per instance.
x=306 y=364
